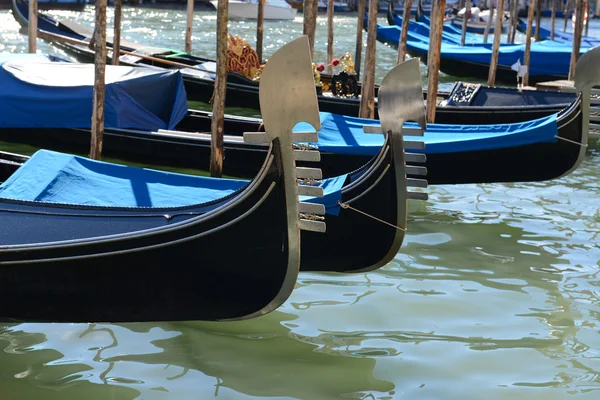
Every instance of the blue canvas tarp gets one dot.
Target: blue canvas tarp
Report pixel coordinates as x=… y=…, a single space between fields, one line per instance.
x=547 y=57
x=344 y=135
x=559 y=36
x=54 y=177
x=42 y=94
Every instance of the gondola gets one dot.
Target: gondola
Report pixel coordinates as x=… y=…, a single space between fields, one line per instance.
x=477 y=26
x=377 y=186
x=69 y=261
x=72 y=5
x=562 y=37
x=241 y=92
x=549 y=60
x=475 y=152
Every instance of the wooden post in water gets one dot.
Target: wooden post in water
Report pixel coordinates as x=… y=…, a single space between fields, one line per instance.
x=463 y=34
x=116 y=49
x=514 y=12
x=526 y=56
x=434 y=7
x=359 y=37
x=260 y=21
x=567 y=9
x=330 y=36
x=313 y=32
x=553 y=18
x=306 y=13
x=404 y=31
x=188 y=26
x=433 y=68
x=99 y=80
x=218 y=110
x=488 y=26
x=587 y=12
x=367 y=98
x=309 y=25
x=496 y=45
x=538 y=19
x=32 y=26
x=579 y=9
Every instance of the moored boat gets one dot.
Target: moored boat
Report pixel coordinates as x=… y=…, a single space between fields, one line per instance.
x=344 y=148
x=72 y=5
x=477 y=20
x=86 y=241
x=377 y=186
x=559 y=36
x=248 y=9
x=243 y=92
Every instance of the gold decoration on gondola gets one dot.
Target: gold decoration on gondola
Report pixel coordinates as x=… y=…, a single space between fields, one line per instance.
x=242 y=58
x=317 y=75
x=347 y=64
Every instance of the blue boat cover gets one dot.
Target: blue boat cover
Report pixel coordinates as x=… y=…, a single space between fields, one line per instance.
x=547 y=57
x=37 y=94
x=54 y=177
x=559 y=36
x=449 y=32
x=344 y=135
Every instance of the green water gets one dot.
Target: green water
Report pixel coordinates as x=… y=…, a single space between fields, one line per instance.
x=494 y=295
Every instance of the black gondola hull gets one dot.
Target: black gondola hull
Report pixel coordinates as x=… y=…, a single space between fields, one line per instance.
x=534 y=162
x=320 y=252
x=127 y=265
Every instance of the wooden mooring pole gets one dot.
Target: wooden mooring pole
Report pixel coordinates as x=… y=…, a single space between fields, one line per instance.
x=367 y=98
x=587 y=12
x=488 y=25
x=260 y=22
x=309 y=26
x=330 y=36
x=116 y=49
x=433 y=68
x=527 y=55
x=218 y=110
x=463 y=34
x=99 y=80
x=514 y=20
x=496 y=45
x=359 y=37
x=567 y=9
x=404 y=31
x=32 y=26
x=579 y=9
x=553 y=19
x=434 y=6
x=538 y=18
x=188 y=26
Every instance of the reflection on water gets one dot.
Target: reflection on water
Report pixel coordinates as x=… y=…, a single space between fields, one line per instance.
x=259 y=359
x=495 y=294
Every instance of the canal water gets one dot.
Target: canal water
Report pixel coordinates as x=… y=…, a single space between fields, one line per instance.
x=494 y=295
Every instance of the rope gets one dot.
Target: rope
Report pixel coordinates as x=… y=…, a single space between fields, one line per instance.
x=571 y=141
x=349 y=207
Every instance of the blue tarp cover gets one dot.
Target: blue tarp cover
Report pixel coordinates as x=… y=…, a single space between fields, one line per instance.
x=547 y=57
x=344 y=135
x=559 y=36
x=54 y=177
x=40 y=94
